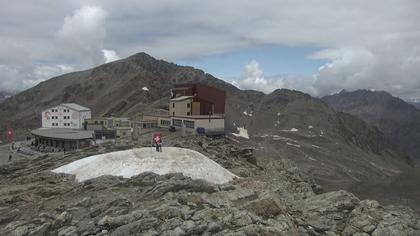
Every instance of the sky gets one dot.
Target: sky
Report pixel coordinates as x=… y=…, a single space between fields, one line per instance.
x=316 y=46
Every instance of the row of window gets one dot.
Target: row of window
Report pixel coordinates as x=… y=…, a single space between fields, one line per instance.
x=56 y=124
x=188 y=124
x=56 y=117
x=188 y=105
x=165 y=122
x=56 y=110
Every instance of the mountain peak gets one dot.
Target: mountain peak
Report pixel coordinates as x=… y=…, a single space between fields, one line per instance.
x=141 y=55
x=398 y=120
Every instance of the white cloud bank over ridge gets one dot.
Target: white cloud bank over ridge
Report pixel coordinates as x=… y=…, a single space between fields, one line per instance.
x=254 y=79
x=369 y=44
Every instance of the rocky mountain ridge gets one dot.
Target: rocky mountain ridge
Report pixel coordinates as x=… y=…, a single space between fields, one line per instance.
x=338 y=150
x=397 y=119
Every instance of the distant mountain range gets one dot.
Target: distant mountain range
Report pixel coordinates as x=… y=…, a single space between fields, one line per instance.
x=338 y=150
x=397 y=119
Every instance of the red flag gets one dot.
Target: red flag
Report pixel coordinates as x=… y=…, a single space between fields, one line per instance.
x=157 y=138
x=9 y=133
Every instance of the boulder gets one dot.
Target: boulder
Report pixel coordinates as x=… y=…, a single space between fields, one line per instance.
x=110 y=222
x=328 y=211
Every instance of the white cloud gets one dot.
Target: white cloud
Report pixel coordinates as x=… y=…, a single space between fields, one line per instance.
x=84 y=33
x=29 y=77
x=254 y=79
x=110 y=55
x=369 y=44
x=356 y=68
x=46 y=72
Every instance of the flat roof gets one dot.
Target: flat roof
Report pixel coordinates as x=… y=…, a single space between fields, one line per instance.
x=181 y=98
x=75 y=106
x=61 y=133
x=200 y=117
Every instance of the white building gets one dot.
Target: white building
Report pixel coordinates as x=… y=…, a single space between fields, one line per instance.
x=67 y=115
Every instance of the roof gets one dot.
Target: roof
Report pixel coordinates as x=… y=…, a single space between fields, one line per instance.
x=65 y=134
x=181 y=98
x=75 y=106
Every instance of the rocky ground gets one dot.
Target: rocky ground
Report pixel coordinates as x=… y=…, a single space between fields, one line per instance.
x=272 y=197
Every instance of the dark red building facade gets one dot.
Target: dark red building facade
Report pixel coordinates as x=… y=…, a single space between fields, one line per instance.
x=212 y=100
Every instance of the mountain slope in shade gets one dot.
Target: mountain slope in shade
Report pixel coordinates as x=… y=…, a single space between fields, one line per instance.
x=4 y=95
x=337 y=150
x=416 y=104
x=398 y=120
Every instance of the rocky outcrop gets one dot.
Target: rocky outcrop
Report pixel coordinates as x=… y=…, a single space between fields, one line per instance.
x=271 y=198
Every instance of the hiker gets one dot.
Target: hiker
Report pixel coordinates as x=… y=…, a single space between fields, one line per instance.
x=159 y=144
x=10 y=157
x=157 y=141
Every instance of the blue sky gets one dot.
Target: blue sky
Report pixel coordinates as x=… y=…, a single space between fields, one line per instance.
x=272 y=59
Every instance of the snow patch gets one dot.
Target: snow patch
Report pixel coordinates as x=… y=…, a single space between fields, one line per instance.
x=145 y=89
x=310 y=127
x=247 y=114
x=242 y=133
x=292 y=144
x=136 y=161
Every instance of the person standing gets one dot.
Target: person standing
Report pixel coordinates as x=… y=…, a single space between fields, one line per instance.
x=160 y=145
x=157 y=141
x=10 y=157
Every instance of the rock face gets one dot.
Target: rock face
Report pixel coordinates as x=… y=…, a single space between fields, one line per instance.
x=271 y=198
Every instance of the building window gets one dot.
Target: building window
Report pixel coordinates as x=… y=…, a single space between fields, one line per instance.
x=188 y=113
x=173 y=113
x=189 y=124
x=164 y=123
x=173 y=105
x=188 y=105
x=177 y=122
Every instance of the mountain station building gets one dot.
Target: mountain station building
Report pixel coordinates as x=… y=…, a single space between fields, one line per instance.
x=195 y=108
x=62 y=128
x=66 y=116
